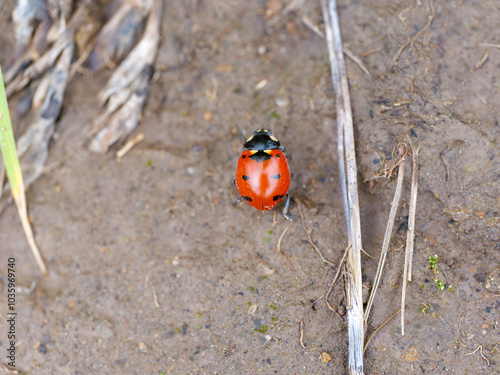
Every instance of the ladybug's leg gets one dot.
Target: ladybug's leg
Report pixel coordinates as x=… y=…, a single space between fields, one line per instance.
x=285 y=210
x=237 y=201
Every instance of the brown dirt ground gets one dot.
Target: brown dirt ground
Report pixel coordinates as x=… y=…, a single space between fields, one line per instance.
x=155 y=271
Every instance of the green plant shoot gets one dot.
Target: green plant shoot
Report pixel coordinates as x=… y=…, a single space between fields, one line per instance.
x=14 y=175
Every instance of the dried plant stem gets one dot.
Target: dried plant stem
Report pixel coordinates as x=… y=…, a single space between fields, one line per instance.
x=334 y=281
x=349 y=185
x=410 y=233
x=301 y=323
x=417 y=34
x=278 y=247
x=23 y=215
x=301 y=336
x=378 y=329
x=489 y=45
x=129 y=145
x=388 y=233
x=357 y=61
x=354 y=316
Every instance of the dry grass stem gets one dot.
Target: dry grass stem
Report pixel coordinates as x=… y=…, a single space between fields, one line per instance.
x=23 y=214
x=388 y=232
x=155 y=297
x=301 y=336
x=354 y=314
x=495 y=347
x=481 y=62
x=129 y=145
x=410 y=233
x=357 y=61
x=489 y=45
x=349 y=185
x=368 y=255
x=278 y=247
x=334 y=281
x=383 y=324
x=312 y=26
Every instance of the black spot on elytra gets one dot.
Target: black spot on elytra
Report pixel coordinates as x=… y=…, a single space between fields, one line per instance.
x=277 y=197
x=276 y=176
x=245 y=177
x=247 y=199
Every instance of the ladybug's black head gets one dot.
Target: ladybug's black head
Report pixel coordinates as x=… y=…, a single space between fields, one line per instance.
x=262 y=139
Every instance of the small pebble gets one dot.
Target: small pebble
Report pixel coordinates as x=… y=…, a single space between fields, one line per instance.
x=143 y=347
x=252 y=309
x=341 y=310
x=325 y=357
x=207 y=116
x=176 y=261
x=492 y=282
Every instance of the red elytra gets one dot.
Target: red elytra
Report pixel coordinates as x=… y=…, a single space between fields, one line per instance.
x=262 y=175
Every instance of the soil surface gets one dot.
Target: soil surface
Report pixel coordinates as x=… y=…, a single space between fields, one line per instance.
x=155 y=271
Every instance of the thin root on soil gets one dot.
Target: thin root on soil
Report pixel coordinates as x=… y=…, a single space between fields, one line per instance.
x=310 y=239
x=334 y=281
x=383 y=324
x=417 y=34
x=480 y=348
x=278 y=247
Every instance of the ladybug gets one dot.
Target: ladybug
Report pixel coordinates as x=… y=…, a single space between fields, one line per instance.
x=262 y=175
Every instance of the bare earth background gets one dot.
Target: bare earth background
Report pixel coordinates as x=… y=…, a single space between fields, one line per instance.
x=153 y=270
